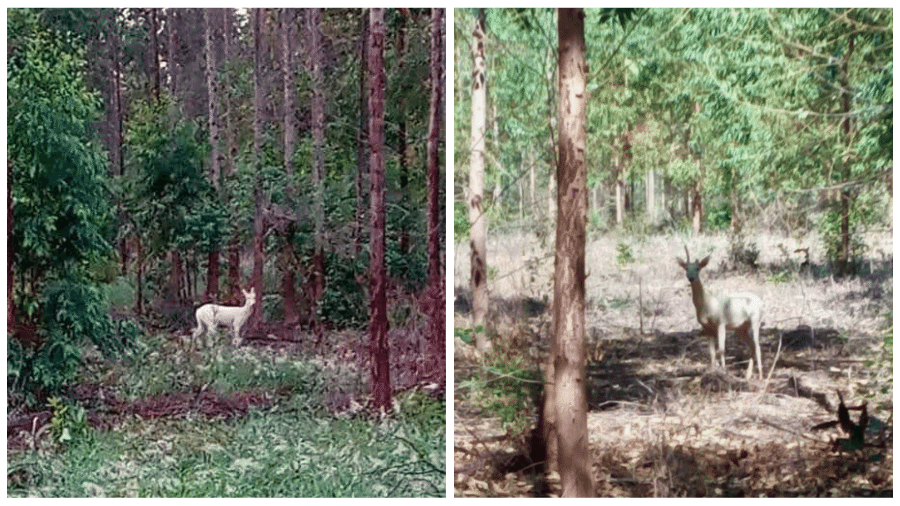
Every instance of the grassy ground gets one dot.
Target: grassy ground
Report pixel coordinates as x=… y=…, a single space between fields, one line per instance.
x=660 y=422
x=257 y=421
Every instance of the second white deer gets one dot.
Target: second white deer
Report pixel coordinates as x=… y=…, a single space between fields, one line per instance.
x=210 y=316
x=741 y=312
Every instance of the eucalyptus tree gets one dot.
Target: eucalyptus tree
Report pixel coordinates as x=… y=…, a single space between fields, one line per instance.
x=569 y=271
x=475 y=192
x=380 y=385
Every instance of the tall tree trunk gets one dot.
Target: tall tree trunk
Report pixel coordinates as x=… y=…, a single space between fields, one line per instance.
x=317 y=111
x=289 y=285
x=114 y=111
x=477 y=218
x=568 y=291
x=362 y=138
x=170 y=49
x=651 y=196
x=157 y=81
x=403 y=245
x=258 y=223
x=139 y=275
x=378 y=324
x=697 y=200
x=435 y=270
x=697 y=190
x=234 y=250
x=843 y=264
x=215 y=156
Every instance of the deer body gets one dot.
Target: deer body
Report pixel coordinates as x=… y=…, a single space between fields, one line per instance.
x=210 y=316
x=740 y=312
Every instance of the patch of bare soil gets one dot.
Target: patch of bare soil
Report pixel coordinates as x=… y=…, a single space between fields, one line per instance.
x=662 y=423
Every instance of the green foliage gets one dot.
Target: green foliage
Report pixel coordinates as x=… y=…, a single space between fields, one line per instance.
x=509 y=387
x=72 y=311
x=344 y=300
x=56 y=176
x=830 y=227
x=68 y=423
x=624 y=255
x=167 y=193
x=260 y=454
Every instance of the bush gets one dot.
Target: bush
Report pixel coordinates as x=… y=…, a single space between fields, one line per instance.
x=71 y=311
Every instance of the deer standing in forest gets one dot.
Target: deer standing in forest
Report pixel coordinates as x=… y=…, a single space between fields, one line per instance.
x=740 y=312
x=210 y=316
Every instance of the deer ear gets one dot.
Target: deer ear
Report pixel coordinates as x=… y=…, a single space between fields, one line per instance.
x=680 y=262
x=704 y=261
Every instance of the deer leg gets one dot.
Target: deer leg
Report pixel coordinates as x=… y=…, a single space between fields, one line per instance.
x=712 y=350
x=756 y=350
x=721 y=343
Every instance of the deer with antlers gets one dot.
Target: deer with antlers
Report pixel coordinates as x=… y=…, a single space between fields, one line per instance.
x=740 y=312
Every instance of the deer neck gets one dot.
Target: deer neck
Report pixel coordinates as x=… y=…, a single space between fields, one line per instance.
x=700 y=299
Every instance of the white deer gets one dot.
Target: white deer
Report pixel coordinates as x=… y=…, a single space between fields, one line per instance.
x=210 y=316
x=740 y=312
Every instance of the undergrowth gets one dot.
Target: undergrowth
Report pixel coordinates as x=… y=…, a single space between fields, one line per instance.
x=294 y=448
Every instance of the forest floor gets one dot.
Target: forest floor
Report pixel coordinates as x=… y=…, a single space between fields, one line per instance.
x=272 y=417
x=661 y=423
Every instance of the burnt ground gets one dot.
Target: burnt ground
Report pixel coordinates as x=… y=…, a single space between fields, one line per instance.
x=661 y=422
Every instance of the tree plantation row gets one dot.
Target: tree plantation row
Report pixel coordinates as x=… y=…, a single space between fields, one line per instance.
x=163 y=158
x=577 y=128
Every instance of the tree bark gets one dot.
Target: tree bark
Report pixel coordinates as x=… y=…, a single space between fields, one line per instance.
x=435 y=267
x=362 y=138
x=170 y=49
x=289 y=285
x=378 y=324
x=317 y=111
x=258 y=223
x=157 y=81
x=212 y=97
x=234 y=250
x=568 y=292
x=843 y=264
x=477 y=218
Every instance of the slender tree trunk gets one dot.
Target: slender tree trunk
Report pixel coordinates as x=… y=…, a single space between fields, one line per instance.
x=477 y=217
x=568 y=292
x=843 y=264
x=170 y=49
x=139 y=275
x=157 y=81
x=258 y=223
x=289 y=285
x=212 y=272
x=362 y=134
x=317 y=111
x=697 y=201
x=697 y=190
x=234 y=250
x=435 y=267
x=378 y=325
x=403 y=245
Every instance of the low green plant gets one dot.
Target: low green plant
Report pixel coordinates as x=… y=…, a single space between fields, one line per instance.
x=624 y=255
x=508 y=387
x=68 y=423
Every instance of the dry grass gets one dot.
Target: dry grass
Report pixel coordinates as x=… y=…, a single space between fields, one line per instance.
x=661 y=424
